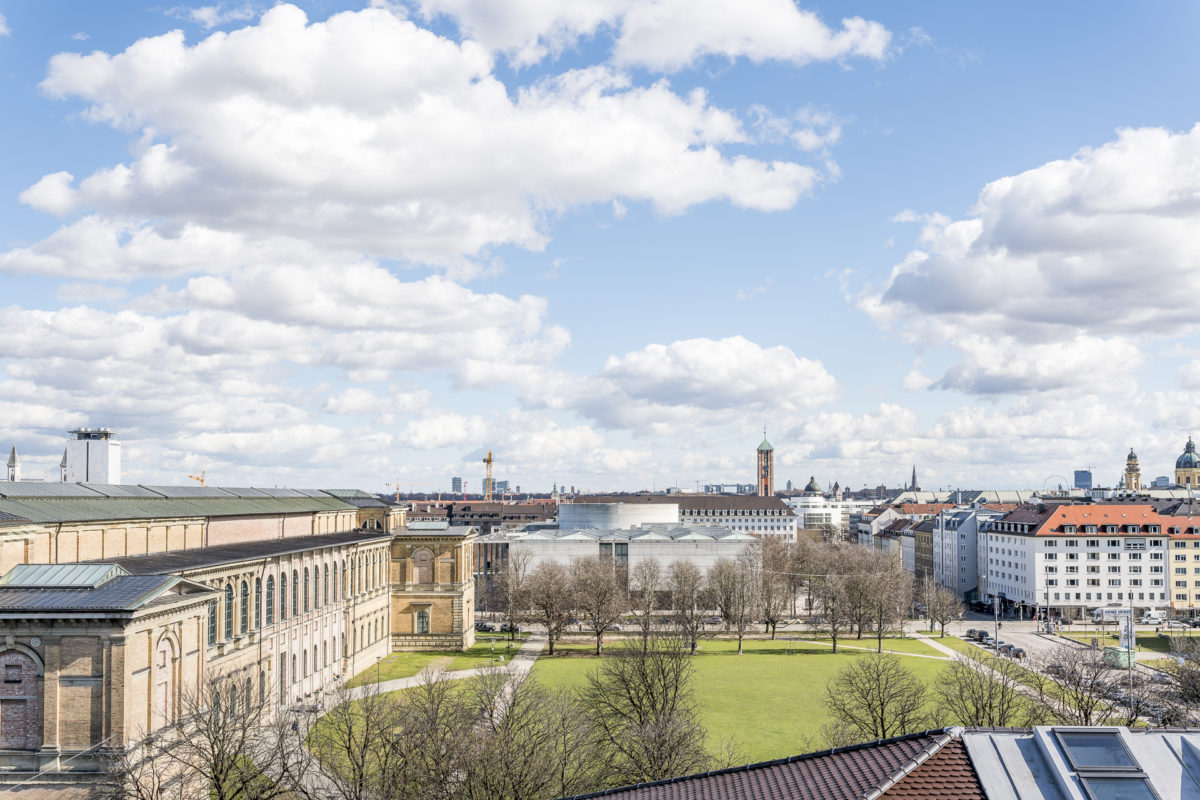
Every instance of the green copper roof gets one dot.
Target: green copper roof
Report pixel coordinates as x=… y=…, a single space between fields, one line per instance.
x=765 y=446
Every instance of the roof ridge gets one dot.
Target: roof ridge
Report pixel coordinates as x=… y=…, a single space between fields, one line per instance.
x=773 y=762
x=917 y=760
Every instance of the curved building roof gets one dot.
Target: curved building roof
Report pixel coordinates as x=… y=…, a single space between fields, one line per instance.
x=1189 y=459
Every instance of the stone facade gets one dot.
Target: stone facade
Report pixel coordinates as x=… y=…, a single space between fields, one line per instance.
x=290 y=604
x=432 y=589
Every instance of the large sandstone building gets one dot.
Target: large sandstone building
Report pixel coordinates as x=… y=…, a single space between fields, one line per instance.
x=115 y=599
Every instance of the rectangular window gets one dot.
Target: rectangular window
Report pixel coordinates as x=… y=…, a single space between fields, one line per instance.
x=12 y=673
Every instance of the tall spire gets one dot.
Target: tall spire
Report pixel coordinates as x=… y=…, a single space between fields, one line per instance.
x=914 y=486
x=14 y=465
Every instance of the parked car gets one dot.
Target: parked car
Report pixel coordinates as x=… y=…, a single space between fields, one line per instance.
x=1177 y=623
x=1005 y=649
x=510 y=628
x=485 y=627
x=712 y=620
x=1018 y=652
x=972 y=633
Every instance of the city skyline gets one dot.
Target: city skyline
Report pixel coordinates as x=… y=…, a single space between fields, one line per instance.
x=607 y=243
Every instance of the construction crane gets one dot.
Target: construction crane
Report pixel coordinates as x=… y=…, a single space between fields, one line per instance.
x=487 y=481
x=396 y=486
x=202 y=477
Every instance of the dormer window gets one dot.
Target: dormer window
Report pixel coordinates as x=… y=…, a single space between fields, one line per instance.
x=1068 y=528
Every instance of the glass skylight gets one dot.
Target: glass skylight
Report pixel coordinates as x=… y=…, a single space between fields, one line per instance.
x=1101 y=750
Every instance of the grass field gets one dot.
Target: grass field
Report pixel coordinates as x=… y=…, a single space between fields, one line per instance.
x=405 y=665
x=1150 y=645
x=768 y=701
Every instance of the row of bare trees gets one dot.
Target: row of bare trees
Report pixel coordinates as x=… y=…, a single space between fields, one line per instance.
x=856 y=591
x=877 y=696
x=490 y=737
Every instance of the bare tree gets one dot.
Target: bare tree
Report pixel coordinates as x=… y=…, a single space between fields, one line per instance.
x=769 y=564
x=941 y=604
x=531 y=743
x=1086 y=689
x=641 y=703
x=732 y=589
x=874 y=697
x=645 y=583
x=431 y=755
x=830 y=587
x=230 y=744
x=688 y=599
x=891 y=594
x=598 y=598
x=513 y=588
x=854 y=565
x=354 y=742
x=551 y=598
x=988 y=692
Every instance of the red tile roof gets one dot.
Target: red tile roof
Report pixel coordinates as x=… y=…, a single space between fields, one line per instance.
x=946 y=775
x=846 y=773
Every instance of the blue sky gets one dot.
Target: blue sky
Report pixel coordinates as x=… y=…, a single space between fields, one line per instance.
x=335 y=244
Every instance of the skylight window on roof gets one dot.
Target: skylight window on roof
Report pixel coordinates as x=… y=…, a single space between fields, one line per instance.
x=1101 y=749
x=1123 y=787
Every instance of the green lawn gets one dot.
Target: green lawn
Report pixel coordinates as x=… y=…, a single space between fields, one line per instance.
x=767 y=701
x=398 y=665
x=1150 y=644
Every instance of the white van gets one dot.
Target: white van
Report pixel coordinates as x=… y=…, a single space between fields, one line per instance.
x=1154 y=616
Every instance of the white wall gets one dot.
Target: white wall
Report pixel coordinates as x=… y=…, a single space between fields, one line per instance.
x=572 y=516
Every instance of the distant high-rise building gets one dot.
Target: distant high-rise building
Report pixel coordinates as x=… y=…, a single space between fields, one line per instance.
x=766 y=468
x=502 y=486
x=1161 y=482
x=789 y=486
x=93 y=456
x=1083 y=479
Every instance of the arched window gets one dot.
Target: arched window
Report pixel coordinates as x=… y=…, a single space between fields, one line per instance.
x=304 y=662
x=257 y=603
x=296 y=593
x=282 y=596
x=336 y=595
x=343 y=649
x=283 y=681
x=212 y=624
x=262 y=688
x=316 y=586
x=423 y=566
x=350 y=588
x=228 y=611
x=244 y=608
x=423 y=621
x=248 y=696
x=325 y=585
x=315 y=663
x=295 y=673
x=324 y=652
x=306 y=590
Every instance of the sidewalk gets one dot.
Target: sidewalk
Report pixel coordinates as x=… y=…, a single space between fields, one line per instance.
x=519 y=666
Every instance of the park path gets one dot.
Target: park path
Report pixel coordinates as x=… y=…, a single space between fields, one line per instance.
x=842 y=646
x=518 y=667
